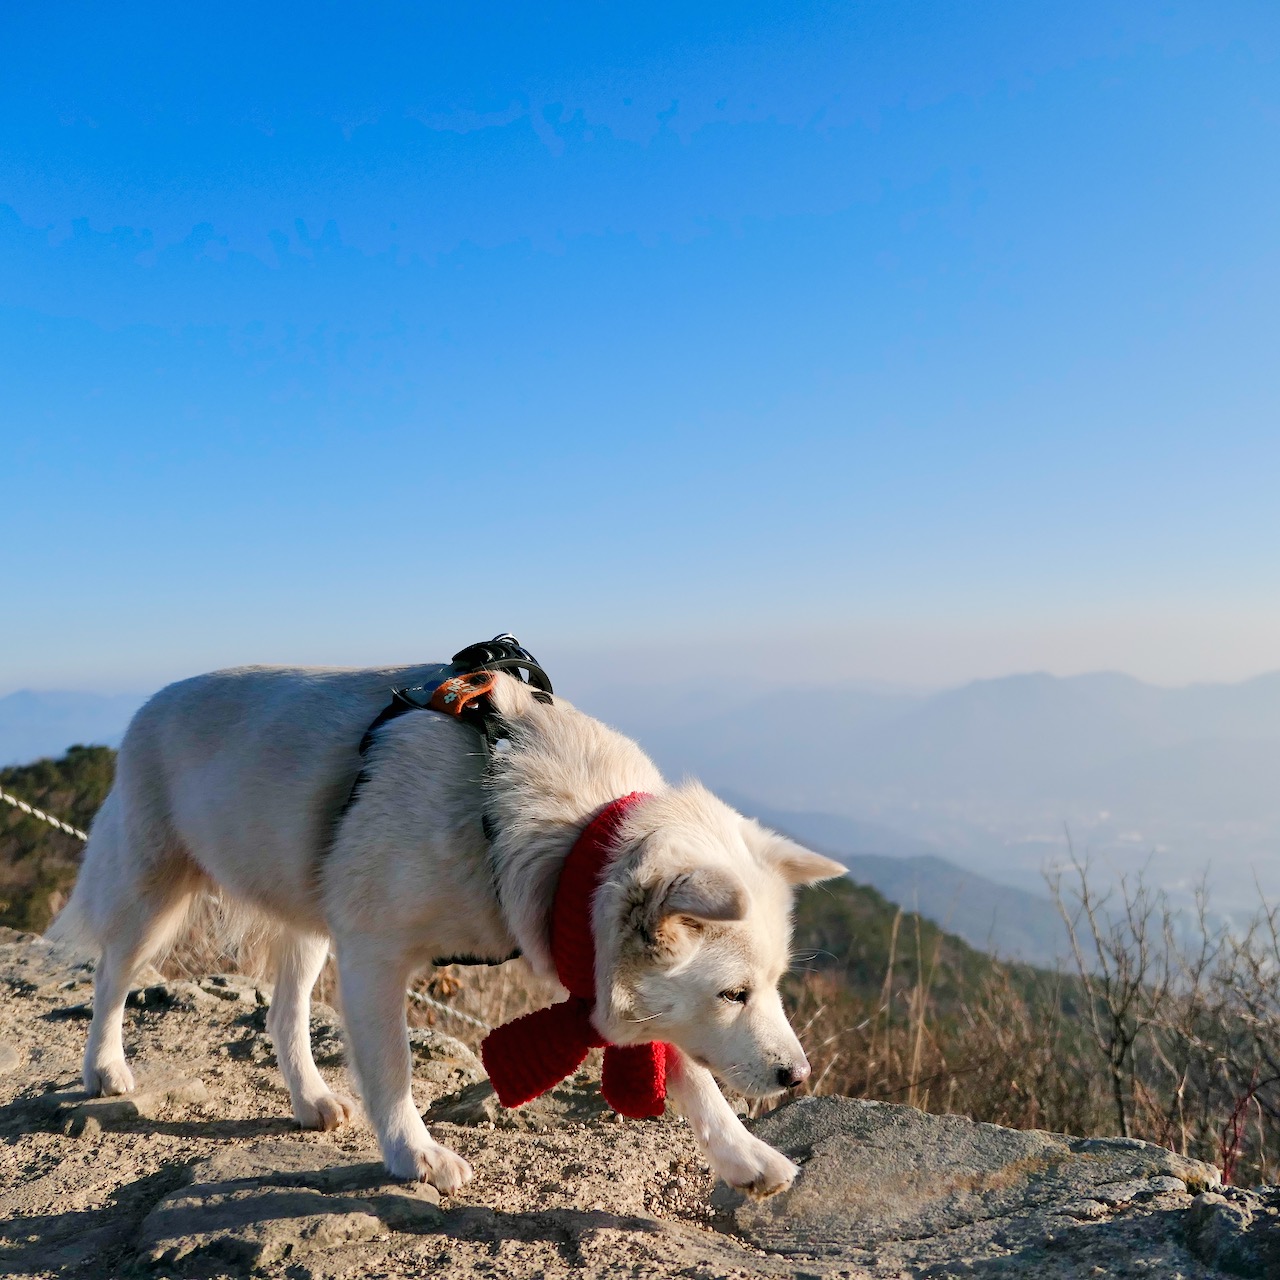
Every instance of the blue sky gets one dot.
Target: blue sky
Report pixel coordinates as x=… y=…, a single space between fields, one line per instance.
x=338 y=334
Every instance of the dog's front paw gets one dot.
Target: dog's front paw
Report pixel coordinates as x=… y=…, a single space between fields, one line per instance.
x=327 y=1111
x=431 y=1163
x=754 y=1167
x=108 y=1079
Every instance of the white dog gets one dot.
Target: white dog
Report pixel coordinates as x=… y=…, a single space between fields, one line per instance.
x=237 y=780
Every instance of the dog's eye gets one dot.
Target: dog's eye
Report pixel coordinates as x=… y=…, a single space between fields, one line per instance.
x=737 y=996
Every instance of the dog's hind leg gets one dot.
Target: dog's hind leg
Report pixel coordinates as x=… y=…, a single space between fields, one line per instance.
x=373 y=973
x=299 y=957
x=136 y=917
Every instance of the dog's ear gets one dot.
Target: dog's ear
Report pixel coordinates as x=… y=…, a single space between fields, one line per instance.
x=669 y=912
x=708 y=893
x=793 y=862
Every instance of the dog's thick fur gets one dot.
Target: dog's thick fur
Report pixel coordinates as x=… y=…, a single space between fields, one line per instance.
x=236 y=780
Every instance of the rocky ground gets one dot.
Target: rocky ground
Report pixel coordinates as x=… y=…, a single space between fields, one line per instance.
x=201 y=1173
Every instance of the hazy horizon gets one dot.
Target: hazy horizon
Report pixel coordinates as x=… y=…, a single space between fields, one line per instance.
x=755 y=665
x=602 y=671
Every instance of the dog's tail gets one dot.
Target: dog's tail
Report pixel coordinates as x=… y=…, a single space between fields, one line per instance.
x=219 y=934
x=73 y=926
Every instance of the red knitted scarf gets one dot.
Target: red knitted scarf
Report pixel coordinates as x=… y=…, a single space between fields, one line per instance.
x=527 y=1057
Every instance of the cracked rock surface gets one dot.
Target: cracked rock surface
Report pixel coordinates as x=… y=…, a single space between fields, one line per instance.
x=201 y=1172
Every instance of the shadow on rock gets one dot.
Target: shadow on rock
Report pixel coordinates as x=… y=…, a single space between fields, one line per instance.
x=51 y=1242
x=261 y=1204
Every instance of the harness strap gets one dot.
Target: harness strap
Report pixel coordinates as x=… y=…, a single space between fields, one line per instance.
x=392 y=711
x=455 y=693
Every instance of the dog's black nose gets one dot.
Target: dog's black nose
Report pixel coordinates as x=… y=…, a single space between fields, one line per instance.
x=789 y=1077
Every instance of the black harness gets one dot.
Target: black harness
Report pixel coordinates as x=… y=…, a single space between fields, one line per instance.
x=502 y=653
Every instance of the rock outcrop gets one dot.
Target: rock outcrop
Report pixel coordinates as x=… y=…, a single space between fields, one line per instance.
x=893 y=1189
x=201 y=1173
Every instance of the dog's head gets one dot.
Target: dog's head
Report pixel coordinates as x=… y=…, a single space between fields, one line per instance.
x=693 y=934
